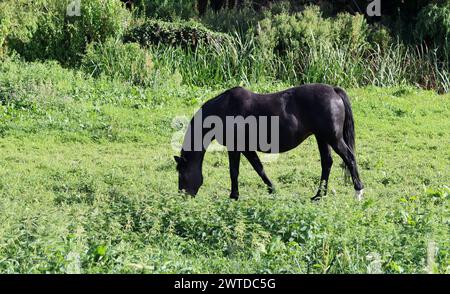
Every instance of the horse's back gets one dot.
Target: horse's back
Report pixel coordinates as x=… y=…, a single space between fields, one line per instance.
x=307 y=92
x=237 y=101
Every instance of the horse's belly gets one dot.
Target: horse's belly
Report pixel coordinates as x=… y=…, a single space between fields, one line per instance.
x=287 y=144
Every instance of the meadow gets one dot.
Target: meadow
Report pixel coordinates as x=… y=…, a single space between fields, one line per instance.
x=88 y=184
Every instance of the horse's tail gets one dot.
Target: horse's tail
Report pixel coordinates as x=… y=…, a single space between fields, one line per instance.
x=349 y=125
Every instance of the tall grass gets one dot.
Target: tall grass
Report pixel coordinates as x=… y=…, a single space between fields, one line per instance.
x=241 y=61
x=127 y=62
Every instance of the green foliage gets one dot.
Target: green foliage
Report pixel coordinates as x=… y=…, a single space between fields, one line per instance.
x=380 y=36
x=242 y=19
x=186 y=34
x=311 y=48
x=39 y=85
x=47 y=86
x=168 y=10
x=56 y=35
x=127 y=62
x=223 y=64
x=243 y=60
x=433 y=25
x=277 y=44
x=18 y=20
x=296 y=32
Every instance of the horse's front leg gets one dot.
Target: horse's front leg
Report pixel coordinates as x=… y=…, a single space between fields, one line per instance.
x=234 y=158
x=326 y=162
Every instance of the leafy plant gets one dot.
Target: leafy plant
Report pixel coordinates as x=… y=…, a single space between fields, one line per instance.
x=127 y=62
x=433 y=27
x=187 y=34
x=59 y=36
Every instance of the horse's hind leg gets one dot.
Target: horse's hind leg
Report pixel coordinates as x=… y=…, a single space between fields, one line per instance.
x=253 y=158
x=234 y=158
x=326 y=162
x=349 y=159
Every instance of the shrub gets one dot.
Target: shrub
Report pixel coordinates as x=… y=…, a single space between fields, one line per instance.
x=433 y=27
x=296 y=32
x=59 y=36
x=17 y=23
x=379 y=36
x=186 y=34
x=126 y=62
x=350 y=31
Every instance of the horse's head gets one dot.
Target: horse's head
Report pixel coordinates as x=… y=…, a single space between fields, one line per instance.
x=190 y=176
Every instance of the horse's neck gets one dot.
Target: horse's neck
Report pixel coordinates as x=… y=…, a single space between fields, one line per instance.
x=194 y=157
x=194 y=138
x=194 y=147
x=194 y=151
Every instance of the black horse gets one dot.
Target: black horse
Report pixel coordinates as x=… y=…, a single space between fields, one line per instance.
x=313 y=109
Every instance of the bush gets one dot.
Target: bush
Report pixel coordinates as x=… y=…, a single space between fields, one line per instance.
x=433 y=27
x=284 y=32
x=187 y=34
x=17 y=23
x=59 y=36
x=380 y=36
x=126 y=62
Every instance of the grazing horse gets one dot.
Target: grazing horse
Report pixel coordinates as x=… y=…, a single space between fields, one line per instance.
x=312 y=109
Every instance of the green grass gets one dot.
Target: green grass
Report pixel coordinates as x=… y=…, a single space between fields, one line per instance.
x=88 y=184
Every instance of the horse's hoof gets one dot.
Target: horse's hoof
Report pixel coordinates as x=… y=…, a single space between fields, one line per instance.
x=359 y=194
x=316 y=198
x=272 y=190
x=234 y=197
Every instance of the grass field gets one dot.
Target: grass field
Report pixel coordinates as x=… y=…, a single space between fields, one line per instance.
x=88 y=184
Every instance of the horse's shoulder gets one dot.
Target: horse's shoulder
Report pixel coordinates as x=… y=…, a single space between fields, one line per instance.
x=233 y=96
x=238 y=91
